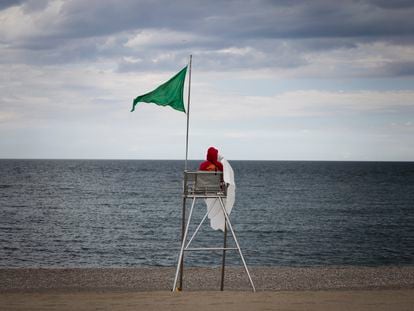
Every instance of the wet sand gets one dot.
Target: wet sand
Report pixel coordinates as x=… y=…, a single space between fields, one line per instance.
x=333 y=288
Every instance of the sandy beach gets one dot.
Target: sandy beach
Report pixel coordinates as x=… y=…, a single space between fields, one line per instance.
x=333 y=288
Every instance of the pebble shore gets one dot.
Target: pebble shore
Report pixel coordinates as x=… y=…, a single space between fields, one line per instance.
x=202 y=279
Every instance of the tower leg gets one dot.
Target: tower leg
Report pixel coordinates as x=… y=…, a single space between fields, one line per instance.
x=237 y=243
x=182 y=241
x=180 y=258
x=223 y=264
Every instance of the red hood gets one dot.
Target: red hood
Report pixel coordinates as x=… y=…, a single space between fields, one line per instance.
x=212 y=155
x=212 y=163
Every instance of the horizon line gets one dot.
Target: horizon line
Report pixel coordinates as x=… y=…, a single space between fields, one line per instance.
x=245 y=160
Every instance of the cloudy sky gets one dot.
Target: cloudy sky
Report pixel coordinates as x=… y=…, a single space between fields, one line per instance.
x=271 y=80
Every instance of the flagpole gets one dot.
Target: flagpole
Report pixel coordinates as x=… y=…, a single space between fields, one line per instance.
x=185 y=169
x=188 y=112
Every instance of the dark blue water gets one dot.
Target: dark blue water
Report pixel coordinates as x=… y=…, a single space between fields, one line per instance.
x=87 y=213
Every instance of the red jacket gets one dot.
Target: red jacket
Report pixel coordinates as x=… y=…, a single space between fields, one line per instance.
x=212 y=163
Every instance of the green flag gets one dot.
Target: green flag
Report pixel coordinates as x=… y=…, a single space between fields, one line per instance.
x=168 y=94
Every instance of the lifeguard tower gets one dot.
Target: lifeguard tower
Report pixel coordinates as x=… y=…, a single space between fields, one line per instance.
x=205 y=185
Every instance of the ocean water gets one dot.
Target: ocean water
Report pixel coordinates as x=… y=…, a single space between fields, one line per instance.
x=112 y=213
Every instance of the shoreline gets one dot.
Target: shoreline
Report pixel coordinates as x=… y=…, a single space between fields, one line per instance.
x=205 y=279
x=123 y=289
x=375 y=300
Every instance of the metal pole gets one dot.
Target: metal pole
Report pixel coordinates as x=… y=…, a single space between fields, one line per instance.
x=237 y=244
x=180 y=258
x=196 y=230
x=224 y=256
x=185 y=169
x=182 y=241
x=188 y=112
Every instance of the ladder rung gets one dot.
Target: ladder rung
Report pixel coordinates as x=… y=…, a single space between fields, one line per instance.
x=210 y=249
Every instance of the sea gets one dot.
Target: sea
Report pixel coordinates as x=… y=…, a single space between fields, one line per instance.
x=127 y=213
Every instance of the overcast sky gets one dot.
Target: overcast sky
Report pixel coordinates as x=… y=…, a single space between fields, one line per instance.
x=271 y=80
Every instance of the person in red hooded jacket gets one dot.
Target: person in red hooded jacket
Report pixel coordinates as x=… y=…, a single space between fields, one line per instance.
x=212 y=163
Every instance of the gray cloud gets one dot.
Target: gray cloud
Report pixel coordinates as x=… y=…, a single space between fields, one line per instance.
x=275 y=34
x=396 y=4
x=4 y=4
x=253 y=19
x=27 y=5
x=397 y=68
